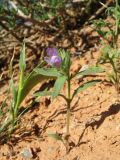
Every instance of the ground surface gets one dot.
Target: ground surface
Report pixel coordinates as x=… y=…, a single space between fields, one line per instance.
x=95 y=112
x=94 y=126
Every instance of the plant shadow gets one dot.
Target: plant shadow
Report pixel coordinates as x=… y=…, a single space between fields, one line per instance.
x=113 y=110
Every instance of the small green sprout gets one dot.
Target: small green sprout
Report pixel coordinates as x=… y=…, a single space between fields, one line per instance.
x=25 y=85
x=111 y=51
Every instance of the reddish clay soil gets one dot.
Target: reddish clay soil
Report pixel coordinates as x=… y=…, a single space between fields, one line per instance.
x=94 y=124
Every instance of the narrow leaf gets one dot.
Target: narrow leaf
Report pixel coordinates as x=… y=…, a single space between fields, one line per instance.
x=22 y=58
x=90 y=71
x=14 y=91
x=11 y=66
x=58 y=85
x=85 y=86
x=47 y=71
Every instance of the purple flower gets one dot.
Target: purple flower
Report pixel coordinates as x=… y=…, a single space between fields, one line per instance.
x=53 y=57
x=52 y=52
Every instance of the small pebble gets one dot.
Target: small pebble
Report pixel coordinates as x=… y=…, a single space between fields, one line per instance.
x=26 y=153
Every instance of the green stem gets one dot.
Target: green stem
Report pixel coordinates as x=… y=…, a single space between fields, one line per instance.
x=19 y=95
x=116 y=75
x=68 y=108
x=68 y=119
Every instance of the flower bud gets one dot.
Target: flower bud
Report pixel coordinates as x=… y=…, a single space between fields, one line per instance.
x=53 y=58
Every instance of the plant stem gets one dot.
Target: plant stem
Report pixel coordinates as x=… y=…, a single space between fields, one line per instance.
x=68 y=109
x=68 y=119
x=116 y=75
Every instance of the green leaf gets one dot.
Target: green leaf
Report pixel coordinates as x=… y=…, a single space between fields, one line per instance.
x=58 y=85
x=30 y=81
x=14 y=91
x=43 y=93
x=11 y=66
x=85 y=86
x=12 y=108
x=65 y=60
x=90 y=71
x=47 y=71
x=56 y=136
x=22 y=58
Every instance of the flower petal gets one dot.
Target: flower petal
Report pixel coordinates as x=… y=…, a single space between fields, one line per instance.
x=52 y=52
x=55 y=61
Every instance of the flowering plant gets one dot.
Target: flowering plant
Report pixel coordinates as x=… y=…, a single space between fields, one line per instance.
x=60 y=68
